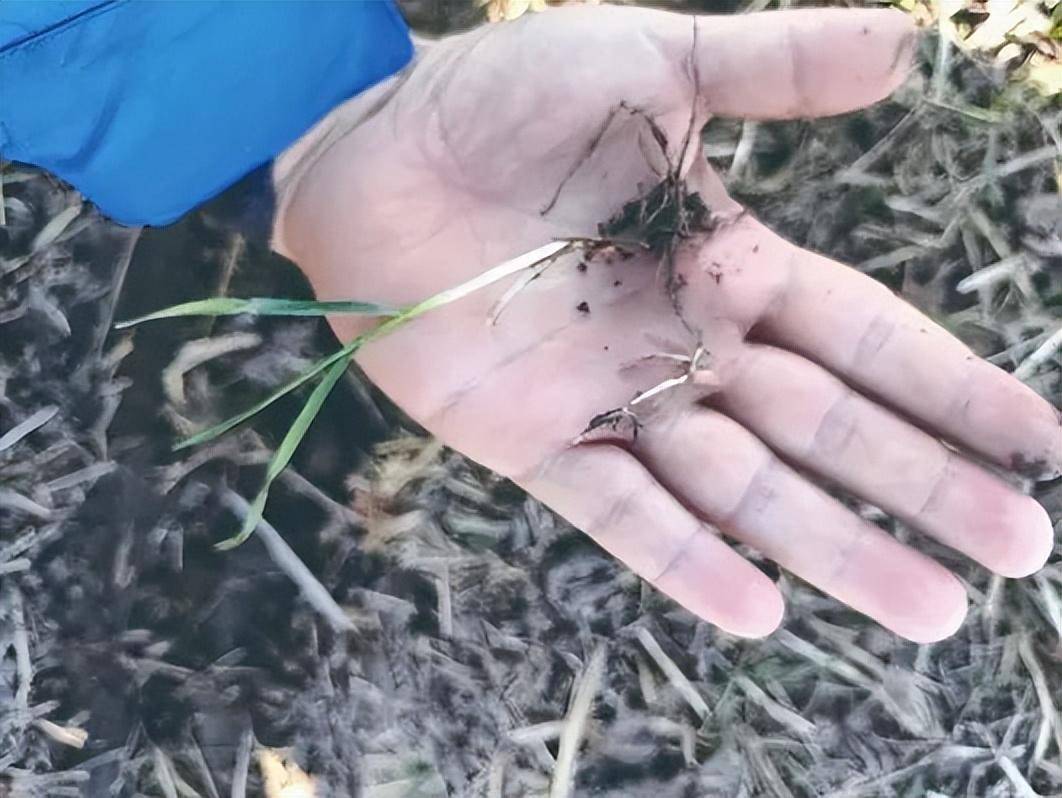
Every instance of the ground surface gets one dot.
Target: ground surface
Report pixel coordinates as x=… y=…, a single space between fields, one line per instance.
x=477 y=629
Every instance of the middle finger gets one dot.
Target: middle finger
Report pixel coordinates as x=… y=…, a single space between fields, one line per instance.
x=724 y=473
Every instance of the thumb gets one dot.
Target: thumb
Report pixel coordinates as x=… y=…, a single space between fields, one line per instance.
x=798 y=63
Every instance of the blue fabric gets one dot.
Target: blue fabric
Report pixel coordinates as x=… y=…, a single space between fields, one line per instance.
x=151 y=108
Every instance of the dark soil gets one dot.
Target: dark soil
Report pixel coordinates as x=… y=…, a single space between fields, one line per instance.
x=475 y=610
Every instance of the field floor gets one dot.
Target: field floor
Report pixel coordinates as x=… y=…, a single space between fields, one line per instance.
x=416 y=626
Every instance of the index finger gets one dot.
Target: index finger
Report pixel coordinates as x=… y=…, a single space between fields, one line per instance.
x=798 y=63
x=766 y=65
x=862 y=332
x=607 y=493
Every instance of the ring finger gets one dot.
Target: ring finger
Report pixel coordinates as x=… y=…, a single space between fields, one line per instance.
x=727 y=475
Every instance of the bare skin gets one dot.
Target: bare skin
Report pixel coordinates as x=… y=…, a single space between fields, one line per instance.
x=811 y=367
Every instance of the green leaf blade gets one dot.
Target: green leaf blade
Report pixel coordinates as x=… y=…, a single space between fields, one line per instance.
x=261 y=306
x=287 y=448
x=265 y=306
x=218 y=306
x=211 y=433
x=397 y=319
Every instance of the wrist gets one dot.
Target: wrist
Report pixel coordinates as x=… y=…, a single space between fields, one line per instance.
x=292 y=169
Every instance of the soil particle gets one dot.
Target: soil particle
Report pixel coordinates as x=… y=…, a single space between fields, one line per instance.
x=658 y=217
x=611 y=774
x=1031 y=468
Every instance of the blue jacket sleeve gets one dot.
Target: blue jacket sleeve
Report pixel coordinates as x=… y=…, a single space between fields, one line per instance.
x=151 y=108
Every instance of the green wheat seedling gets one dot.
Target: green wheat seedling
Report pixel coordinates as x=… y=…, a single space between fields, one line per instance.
x=328 y=370
x=651 y=222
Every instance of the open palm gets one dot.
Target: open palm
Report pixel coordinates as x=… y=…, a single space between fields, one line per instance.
x=778 y=364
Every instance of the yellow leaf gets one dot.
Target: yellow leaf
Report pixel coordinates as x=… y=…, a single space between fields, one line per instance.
x=516 y=8
x=1009 y=52
x=283 y=778
x=1045 y=75
x=924 y=12
x=1007 y=19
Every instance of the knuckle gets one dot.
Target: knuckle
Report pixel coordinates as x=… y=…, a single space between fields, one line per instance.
x=672 y=557
x=618 y=505
x=794 y=73
x=873 y=339
x=936 y=486
x=757 y=495
x=837 y=428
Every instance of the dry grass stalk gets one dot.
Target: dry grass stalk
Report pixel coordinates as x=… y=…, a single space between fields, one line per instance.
x=571 y=737
x=674 y=675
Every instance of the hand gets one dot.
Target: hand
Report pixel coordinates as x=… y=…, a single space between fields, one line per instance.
x=502 y=139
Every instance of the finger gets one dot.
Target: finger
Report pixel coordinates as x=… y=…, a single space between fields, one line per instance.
x=721 y=470
x=808 y=415
x=768 y=65
x=798 y=63
x=609 y=495
x=863 y=333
